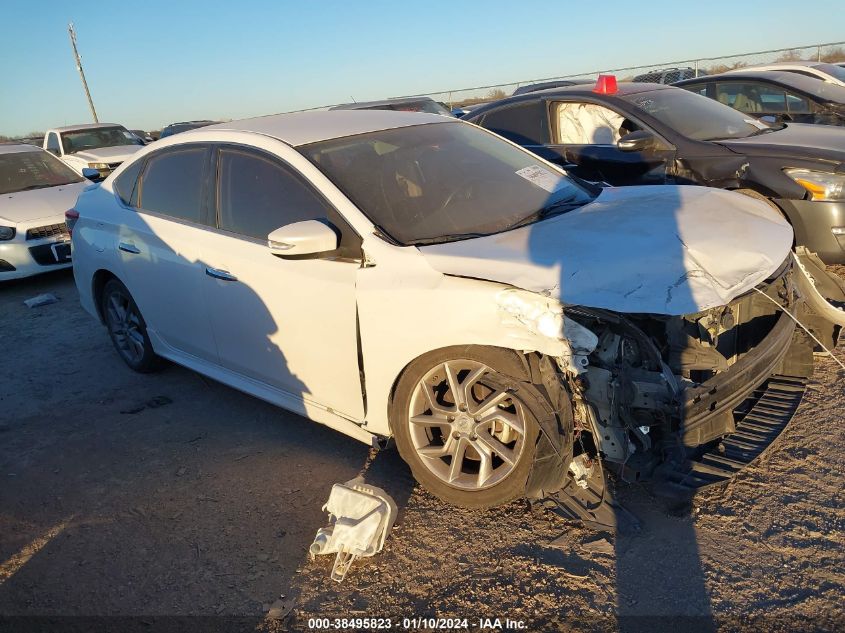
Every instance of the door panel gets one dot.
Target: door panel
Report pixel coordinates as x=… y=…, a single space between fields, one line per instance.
x=291 y=324
x=163 y=269
x=160 y=249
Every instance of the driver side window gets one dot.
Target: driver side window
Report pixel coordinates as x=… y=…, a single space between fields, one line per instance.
x=257 y=194
x=590 y=124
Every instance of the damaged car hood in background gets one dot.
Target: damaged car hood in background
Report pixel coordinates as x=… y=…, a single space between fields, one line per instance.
x=651 y=249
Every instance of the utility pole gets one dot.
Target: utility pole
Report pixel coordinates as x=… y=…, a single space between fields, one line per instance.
x=72 y=32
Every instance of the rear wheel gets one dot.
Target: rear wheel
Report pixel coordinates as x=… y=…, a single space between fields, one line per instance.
x=468 y=431
x=127 y=329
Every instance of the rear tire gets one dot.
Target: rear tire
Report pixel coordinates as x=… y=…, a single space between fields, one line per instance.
x=468 y=431
x=127 y=328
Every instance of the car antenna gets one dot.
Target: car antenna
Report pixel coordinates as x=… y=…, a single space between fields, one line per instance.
x=353 y=99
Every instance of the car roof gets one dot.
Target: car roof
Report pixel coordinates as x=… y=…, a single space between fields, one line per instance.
x=799 y=63
x=554 y=83
x=209 y=121
x=580 y=90
x=18 y=148
x=301 y=128
x=382 y=102
x=810 y=85
x=83 y=126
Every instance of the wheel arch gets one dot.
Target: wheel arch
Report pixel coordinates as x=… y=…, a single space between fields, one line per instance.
x=98 y=282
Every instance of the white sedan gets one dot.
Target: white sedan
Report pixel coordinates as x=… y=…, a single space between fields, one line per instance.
x=35 y=191
x=413 y=276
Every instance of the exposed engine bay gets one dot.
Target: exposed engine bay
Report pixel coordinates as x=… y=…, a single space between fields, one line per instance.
x=659 y=389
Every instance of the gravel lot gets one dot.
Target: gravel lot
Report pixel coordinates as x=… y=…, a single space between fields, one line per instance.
x=170 y=494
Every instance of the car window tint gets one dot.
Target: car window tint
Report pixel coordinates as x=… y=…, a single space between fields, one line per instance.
x=587 y=124
x=526 y=124
x=257 y=194
x=797 y=105
x=751 y=97
x=125 y=184
x=172 y=184
x=699 y=89
x=53 y=143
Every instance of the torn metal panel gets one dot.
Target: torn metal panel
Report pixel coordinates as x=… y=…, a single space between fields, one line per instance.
x=658 y=250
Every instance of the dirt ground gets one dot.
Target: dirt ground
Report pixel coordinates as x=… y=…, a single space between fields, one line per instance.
x=171 y=495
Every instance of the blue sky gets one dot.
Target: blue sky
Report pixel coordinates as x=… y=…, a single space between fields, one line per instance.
x=154 y=62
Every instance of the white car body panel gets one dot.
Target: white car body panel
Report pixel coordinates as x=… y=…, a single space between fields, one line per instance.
x=714 y=246
x=166 y=276
x=404 y=296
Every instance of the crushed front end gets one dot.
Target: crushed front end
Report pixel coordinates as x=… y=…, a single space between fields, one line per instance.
x=686 y=401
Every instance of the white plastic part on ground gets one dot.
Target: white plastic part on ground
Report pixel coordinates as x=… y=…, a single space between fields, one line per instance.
x=362 y=516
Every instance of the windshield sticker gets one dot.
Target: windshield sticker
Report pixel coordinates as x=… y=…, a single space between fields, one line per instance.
x=541 y=177
x=760 y=125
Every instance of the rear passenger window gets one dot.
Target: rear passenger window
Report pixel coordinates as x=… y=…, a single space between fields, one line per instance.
x=257 y=195
x=125 y=185
x=525 y=124
x=172 y=184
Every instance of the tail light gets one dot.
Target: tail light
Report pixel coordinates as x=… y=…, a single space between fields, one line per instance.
x=71 y=216
x=606 y=85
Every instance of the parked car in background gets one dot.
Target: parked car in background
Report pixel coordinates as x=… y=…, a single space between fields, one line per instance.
x=184 y=126
x=781 y=96
x=460 y=111
x=651 y=134
x=407 y=104
x=144 y=136
x=36 y=189
x=829 y=73
x=409 y=275
x=545 y=85
x=667 y=75
x=100 y=146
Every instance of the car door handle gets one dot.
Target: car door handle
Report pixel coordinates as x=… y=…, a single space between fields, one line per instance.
x=223 y=275
x=128 y=248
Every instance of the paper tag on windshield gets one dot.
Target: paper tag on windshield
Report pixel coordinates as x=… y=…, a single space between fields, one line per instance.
x=758 y=124
x=541 y=177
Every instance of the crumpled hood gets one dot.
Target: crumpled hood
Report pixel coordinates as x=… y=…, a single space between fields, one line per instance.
x=47 y=203
x=651 y=249
x=115 y=154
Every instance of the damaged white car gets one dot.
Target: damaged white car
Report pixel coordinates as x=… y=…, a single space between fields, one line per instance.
x=412 y=276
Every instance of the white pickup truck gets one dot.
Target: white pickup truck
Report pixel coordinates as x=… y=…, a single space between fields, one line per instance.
x=101 y=146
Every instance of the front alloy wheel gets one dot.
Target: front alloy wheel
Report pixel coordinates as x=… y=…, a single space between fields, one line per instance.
x=468 y=432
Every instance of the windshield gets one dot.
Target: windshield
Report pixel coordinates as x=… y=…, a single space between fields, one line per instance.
x=695 y=116
x=94 y=138
x=23 y=171
x=441 y=182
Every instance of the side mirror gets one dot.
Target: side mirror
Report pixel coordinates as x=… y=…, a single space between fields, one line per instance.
x=770 y=119
x=309 y=237
x=91 y=174
x=638 y=141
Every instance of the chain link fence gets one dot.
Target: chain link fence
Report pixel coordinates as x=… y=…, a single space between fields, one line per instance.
x=663 y=72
